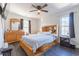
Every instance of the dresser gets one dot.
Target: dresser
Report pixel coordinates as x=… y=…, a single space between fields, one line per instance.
x=13 y=36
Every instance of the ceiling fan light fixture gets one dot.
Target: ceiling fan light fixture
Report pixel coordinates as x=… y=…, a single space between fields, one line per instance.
x=38 y=11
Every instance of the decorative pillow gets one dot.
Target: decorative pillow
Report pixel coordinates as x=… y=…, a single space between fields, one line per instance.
x=45 y=33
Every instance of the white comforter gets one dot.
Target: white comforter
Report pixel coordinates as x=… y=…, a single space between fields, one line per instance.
x=37 y=40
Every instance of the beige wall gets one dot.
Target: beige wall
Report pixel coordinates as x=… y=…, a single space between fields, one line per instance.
x=35 y=25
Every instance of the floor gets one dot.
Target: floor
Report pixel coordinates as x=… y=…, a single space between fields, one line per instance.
x=61 y=51
x=17 y=51
x=54 y=51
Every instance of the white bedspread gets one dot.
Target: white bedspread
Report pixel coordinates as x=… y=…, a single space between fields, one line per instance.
x=38 y=40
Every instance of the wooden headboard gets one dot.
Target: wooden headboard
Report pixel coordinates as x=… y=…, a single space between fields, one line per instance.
x=50 y=28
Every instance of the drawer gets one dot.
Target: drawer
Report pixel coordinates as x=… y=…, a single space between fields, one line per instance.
x=10 y=37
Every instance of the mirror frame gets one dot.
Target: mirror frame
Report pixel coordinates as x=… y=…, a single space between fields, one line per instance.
x=14 y=20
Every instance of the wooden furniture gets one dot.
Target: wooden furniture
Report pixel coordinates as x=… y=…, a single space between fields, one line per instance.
x=14 y=22
x=15 y=32
x=50 y=28
x=28 y=49
x=13 y=36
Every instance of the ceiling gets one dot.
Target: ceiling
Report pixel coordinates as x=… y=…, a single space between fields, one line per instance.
x=24 y=8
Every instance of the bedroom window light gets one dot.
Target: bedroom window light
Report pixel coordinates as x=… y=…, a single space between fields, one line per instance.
x=26 y=26
x=65 y=26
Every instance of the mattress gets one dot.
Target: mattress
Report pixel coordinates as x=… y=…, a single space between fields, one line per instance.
x=38 y=40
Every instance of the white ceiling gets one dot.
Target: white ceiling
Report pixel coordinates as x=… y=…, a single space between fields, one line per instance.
x=24 y=8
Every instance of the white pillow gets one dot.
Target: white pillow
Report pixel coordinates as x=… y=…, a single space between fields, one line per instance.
x=45 y=33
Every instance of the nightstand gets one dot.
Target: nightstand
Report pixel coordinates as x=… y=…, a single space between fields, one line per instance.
x=65 y=41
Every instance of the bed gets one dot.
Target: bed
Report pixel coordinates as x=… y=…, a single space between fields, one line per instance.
x=37 y=44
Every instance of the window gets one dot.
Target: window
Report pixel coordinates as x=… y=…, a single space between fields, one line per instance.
x=26 y=26
x=65 y=26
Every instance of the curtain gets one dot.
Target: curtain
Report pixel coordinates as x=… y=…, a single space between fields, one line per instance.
x=71 y=25
x=29 y=26
x=21 y=24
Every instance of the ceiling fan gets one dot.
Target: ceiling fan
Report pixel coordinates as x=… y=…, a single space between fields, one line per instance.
x=2 y=10
x=39 y=8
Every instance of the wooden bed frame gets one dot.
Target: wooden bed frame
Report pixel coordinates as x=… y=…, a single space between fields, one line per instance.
x=28 y=49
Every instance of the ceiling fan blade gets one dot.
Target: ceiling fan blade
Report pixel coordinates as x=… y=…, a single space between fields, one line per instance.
x=44 y=10
x=33 y=10
x=44 y=5
x=34 y=6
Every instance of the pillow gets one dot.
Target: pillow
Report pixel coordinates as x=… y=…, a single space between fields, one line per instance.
x=45 y=33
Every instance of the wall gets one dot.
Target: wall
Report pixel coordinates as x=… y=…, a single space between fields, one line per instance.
x=34 y=21
x=13 y=15
x=49 y=19
x=35 y=25
x=75 y=9
x=77 y=28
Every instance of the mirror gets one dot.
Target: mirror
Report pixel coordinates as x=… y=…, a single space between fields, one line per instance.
x=14 y=24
